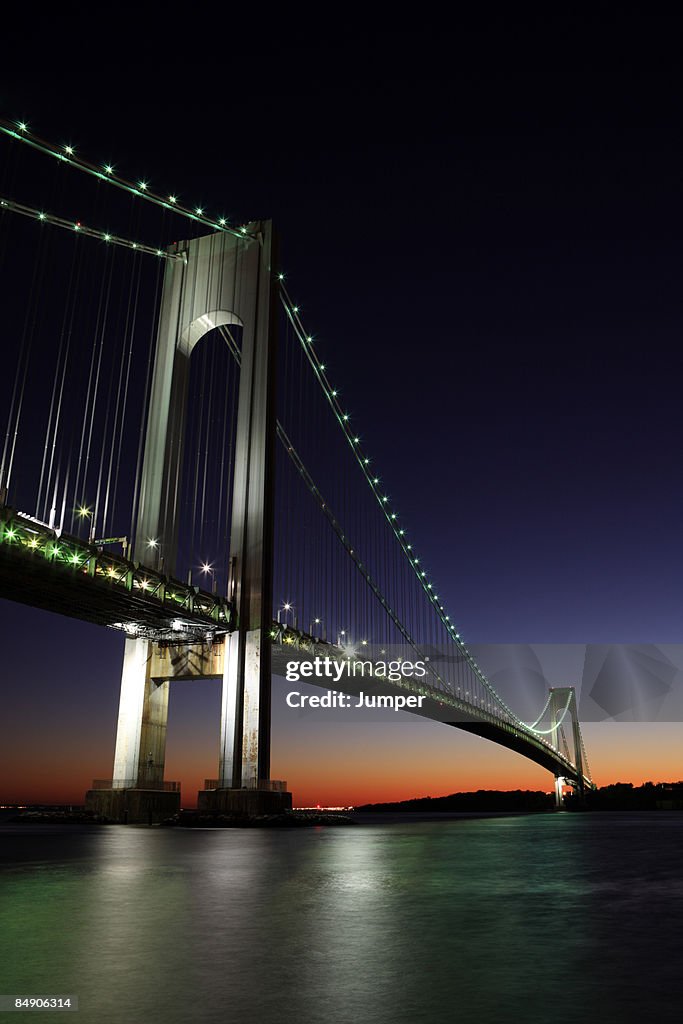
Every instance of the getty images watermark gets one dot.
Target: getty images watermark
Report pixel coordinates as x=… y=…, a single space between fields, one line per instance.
x=350 y=669
x=628 y=682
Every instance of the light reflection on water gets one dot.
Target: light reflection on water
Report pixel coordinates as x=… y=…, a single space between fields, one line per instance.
x=539 y=918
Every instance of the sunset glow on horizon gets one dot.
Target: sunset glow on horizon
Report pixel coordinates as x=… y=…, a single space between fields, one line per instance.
x=58 y=735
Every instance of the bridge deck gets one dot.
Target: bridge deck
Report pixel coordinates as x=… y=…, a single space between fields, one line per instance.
x=437 y=706
x=205 y=661
x=58 y=572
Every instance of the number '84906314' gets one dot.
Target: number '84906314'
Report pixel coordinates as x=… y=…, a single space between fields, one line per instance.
x=42 y=1003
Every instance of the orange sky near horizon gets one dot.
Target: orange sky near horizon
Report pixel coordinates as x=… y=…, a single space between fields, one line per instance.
x=326 y=759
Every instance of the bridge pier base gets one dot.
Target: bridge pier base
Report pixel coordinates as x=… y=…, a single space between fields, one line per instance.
x=559 y=800
x=249 y=803
x=133 y=806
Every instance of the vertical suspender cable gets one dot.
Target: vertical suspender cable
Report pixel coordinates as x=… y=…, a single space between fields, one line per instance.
x=146 y=400
x=48 y=429
x=23 y=362
x=131 y=327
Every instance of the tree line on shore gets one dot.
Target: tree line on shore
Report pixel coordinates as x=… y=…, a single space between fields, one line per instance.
x=620 y=796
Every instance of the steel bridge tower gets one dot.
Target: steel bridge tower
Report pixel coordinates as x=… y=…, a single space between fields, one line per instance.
x=562 y=703
x=215 y=281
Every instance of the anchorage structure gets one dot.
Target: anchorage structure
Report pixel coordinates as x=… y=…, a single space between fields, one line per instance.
x=220 y=280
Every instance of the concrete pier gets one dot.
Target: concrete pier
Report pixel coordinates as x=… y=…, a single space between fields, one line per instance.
x=133 y=806
x=243 y=802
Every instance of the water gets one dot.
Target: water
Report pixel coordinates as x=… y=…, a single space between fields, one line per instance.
x=547 y=918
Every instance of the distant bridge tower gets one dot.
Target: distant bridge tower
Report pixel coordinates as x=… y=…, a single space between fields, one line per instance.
x=220 y=279
x=563 y=703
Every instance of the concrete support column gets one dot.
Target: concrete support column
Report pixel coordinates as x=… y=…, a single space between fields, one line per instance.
x=143 y=713
x=229 y=770
x=255 y=728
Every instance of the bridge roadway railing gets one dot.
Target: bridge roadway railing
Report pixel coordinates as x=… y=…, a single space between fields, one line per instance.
x=50 y=569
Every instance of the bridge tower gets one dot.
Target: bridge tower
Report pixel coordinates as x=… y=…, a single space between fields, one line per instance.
x=562 y=703
x=215 y=281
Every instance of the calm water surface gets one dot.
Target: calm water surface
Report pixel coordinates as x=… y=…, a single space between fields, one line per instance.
x=545 y=918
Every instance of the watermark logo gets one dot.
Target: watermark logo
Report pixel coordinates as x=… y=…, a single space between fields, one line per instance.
x=335 y=669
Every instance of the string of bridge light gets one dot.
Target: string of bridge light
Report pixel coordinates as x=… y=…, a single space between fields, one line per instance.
x=558 y=723
x=307 y=340
x=107 y=172
x=78 y=228
x=542 y=714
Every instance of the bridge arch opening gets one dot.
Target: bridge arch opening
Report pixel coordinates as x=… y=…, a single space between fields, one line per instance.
x=202 y=325
x=193 y=739
x=206 y=436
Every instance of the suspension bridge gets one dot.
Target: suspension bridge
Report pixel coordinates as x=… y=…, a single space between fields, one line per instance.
x=178 y=465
